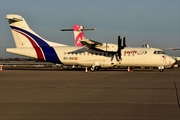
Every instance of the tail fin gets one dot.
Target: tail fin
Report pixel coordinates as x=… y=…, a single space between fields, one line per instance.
x=78 y=33
x=24 y=36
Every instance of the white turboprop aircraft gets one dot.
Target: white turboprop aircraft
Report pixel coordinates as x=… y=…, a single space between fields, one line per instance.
x=93 y=54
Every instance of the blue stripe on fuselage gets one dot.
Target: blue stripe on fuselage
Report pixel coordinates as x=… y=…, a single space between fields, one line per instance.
x=49 y=52
x=51 y=55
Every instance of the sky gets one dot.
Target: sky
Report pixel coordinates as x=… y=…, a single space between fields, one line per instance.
x=152 y=22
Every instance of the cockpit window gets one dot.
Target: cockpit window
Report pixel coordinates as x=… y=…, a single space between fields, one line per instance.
x=159 y=52
x=155 y=52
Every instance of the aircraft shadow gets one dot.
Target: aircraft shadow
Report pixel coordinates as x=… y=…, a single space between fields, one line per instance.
x=74 y=69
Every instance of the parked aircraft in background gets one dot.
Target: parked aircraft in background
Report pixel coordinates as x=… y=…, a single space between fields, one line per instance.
x=93 y=54
x=78 y=33
x=81 y=40
x=175 y=48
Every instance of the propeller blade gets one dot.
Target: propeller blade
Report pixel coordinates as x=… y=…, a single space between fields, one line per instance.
x=119 y=37
x=119 y=42
x=124 y=41
x=119 y=47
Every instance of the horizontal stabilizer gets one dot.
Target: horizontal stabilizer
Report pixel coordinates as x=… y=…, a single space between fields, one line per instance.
x=67 y=29
x=82 y=29
x=14 y=17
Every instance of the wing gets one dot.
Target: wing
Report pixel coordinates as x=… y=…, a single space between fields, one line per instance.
x=98 y=46
x=90 y=43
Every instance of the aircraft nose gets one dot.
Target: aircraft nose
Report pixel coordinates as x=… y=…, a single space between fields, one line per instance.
x=173 y=60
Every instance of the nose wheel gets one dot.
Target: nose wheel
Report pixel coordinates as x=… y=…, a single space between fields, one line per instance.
x=161 y=69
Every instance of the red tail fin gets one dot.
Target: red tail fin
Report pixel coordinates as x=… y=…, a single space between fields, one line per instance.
x=78 y=34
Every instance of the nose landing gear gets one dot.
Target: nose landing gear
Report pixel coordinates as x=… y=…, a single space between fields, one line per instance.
x=161 y=68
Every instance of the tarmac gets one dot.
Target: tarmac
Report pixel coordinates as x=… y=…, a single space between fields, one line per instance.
x=114 y=94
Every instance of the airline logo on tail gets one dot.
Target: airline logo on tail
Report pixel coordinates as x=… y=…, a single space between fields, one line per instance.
x=78 y=33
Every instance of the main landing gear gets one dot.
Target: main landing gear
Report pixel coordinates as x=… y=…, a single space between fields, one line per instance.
x=92 y=68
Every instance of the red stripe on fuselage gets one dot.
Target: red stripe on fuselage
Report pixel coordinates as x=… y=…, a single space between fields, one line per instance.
x=38 y=50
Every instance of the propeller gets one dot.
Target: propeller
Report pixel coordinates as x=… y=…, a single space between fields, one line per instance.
x=120 y=47
x=124 y=42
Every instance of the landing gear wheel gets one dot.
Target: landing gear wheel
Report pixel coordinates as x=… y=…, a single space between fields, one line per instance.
x=92 y=69
x=161 y=70
x=97 y=68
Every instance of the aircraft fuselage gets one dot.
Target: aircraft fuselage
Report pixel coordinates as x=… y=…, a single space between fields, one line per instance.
x=70 y=55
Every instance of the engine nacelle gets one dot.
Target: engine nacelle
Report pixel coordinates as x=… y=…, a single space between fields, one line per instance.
x=109 y=47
